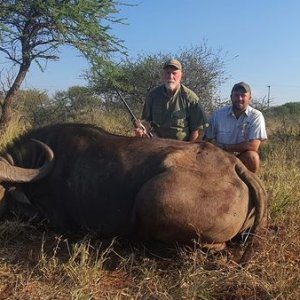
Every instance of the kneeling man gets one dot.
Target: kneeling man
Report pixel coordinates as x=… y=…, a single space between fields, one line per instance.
x=239 y=128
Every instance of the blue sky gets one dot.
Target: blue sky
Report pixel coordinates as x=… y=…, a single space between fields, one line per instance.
x=260 y=42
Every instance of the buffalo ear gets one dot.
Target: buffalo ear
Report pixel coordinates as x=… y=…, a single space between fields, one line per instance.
x=18 y=196
x=19 y=204
x=3 y=202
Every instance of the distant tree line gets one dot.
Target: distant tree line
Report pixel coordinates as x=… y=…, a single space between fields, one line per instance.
x=288 y=109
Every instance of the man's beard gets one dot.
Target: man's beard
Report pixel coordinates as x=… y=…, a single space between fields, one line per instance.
x=171 y=86
x=239 y=106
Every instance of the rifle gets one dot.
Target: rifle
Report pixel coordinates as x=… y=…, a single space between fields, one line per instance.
x=136 y=122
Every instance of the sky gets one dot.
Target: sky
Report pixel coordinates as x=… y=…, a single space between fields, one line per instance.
x=259 y=39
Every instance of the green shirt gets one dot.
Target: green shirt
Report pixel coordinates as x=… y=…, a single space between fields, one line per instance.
x=174 y=116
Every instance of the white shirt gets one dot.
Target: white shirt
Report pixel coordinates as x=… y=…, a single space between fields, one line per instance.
x=225 y=128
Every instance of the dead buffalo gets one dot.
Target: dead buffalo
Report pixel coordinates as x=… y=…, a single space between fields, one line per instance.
x=152 y=189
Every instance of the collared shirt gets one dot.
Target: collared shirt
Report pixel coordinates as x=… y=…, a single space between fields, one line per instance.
x=174 y=116
x=225 y=128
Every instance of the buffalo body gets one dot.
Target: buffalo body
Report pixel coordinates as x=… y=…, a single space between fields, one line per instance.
x=160 y=189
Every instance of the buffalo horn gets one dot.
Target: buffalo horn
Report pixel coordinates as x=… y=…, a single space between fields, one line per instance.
x=11 y=173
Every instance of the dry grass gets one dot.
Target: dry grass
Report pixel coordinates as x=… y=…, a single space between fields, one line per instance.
x=39 y=264
x=17 y=126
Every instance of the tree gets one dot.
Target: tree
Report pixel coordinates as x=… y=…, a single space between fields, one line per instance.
x=132 y=78
x=203 y=73
x=74 y=102
x=34 y=30
x=38 y=109
x=32 y=105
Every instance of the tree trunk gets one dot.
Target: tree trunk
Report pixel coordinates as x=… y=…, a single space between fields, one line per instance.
x=9 y=98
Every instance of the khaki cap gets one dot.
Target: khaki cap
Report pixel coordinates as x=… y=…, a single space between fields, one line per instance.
x=173 y=63
x=241 y=85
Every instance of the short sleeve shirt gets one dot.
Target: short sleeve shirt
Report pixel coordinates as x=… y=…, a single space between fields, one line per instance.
x=174 y=116
x=225 y=128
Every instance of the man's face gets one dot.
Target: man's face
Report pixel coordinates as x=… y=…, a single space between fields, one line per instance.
x=172 y=78
x=240 y=99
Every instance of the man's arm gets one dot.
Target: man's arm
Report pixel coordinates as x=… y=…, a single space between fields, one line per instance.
x=197 y=119
x=252 y=145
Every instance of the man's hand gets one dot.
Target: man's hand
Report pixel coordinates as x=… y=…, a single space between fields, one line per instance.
x=140 y=130
x=194 y=136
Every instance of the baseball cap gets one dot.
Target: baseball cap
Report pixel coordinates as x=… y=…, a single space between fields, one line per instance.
x=173 y=63
x=241 y=85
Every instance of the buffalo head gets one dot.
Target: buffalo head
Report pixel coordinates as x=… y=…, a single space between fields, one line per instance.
x=12 y=174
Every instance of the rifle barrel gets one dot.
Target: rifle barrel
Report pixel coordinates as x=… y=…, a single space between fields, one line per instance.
x=134 y=118
x=127 y=106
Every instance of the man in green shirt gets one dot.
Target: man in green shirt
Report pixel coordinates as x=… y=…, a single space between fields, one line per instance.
x=173 y=110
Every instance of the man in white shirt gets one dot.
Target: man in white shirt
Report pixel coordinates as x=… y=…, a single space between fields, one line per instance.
x=239 y=128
